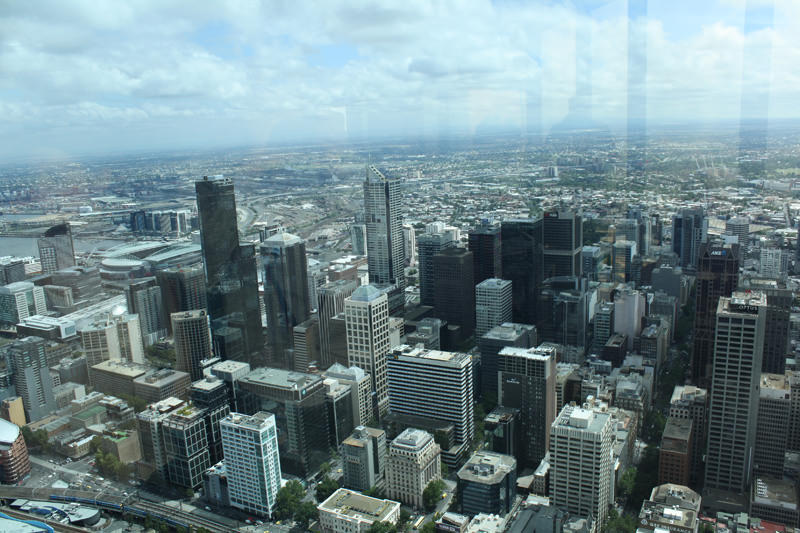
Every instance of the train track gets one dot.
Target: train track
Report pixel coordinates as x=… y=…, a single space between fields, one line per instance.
x=182 y=516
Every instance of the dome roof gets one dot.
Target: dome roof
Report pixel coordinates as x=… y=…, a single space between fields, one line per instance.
x=366 y=293
x=8 y=432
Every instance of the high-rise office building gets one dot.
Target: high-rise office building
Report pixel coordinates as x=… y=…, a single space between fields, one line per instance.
x=341 y=413
x=562 y=240
x=298 y=402
x=364 y=459
x=366 y=314
x=492 y=304
x=186 y=446
x=410 y=245
x=182 y=289
x=413 y=462
x=384 y=220
x=581 y=462
x=252 y=461
x=454 y=289
x=15 y=464
x=717 y=276
x=622 y=255
x=283 y=257
x=484 y=243
x=563 y=314
x=774 y=405
x=32 y=377
x=11 y=270
x=773 y=263
x=689 y=402
x=733 y=399
x=358 y=238
x=434 y=384
x=360 y=390
x=740 y=227
x=56 y=250
x=230 y=266
x=487 y=483
x=112 y=337
x=522 y=265
x=20 y=300
x=192 y=341
x=144 y=299
x=211 y=395
x=428 y=245
x=305 y=339
x=527 y=381
x=497 y=338
x=777 y=330
x=330 y=302
x=603 y=325
x=149 y=424
x=591 y=258
x=689 y=233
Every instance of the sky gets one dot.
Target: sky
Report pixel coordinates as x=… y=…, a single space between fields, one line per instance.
x=92 y=77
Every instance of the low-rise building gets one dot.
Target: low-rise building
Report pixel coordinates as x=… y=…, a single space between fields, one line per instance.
x=775 y=500
x=673 y=508
x=414 y=461
x=675 y=455
x=347 y=511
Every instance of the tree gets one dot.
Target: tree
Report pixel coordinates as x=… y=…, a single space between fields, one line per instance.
x=432 y=494
x=627 y=482
x=325 y=468
x=325 y=488
x=617 y=523
x=375 y=492
x=189 y=493
x=97 y=441
x=405 y=516
x=382 y=527
x=428 y=527
x=305 y=513
x=288 y=498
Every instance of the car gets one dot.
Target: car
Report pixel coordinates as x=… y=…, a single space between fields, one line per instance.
x=248 y=521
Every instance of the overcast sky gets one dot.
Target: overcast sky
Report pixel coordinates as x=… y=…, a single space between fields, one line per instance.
x=94 y=76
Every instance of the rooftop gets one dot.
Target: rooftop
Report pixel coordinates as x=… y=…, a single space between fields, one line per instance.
x=8 y=432
x=677 y=432
x=282 y=379
x=412 y=438
x=356 y=505
x=583 y=419
x=774 y=386
x=541 y=353
x=687 y=393
x=123 y=368
x=487 y=467
x=775 y=492
x=420 y=352
x=366 y=293
x=282 y=239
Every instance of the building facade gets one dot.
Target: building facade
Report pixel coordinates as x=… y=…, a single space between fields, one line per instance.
x=412 y=463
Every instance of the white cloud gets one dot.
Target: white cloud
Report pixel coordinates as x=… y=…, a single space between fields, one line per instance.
x=250 y=71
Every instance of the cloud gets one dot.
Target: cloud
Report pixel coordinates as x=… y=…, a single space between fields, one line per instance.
x=261 y=72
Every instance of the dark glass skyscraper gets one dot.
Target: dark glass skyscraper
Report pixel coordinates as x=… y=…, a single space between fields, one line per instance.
x=230 y=267
x=484 y=243
x=283 y=257
x=522 y=264
x=717 y=276
x=182 y=289
x=428 y=245
x=689 y=230
x=562 y=241
x=385 y=244
x=454 y=292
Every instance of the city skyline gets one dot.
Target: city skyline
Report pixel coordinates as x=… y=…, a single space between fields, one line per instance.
x=252 y=74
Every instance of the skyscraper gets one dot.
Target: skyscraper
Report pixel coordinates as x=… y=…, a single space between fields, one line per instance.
x=717 y=276
x=250 y=446
x=144 y=299
x=330 y=302
x=774 y=405
x=733 y=399
x=497 y=338
x=367 y=320
x=283 y=257
x=192 y=341
x=434 y=384
x=20 y=300
x=689 y=232
x=230 y=267
x=484 y=243
x=32 y=378
x=622 y=254
x=522 y=265
x=384 y=221
x=527 y=381
x=454 y=289
x=182 y=289
x=428 y=245
x=492 y=304
x=186 y=446
x=581 y=462
x=562 y=241
x=56 y=250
